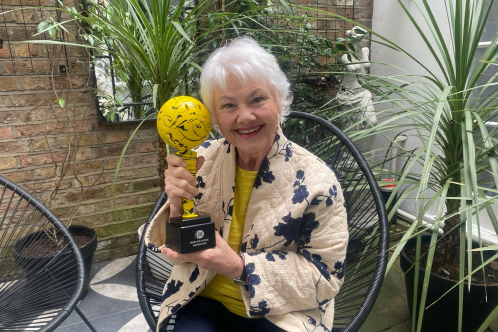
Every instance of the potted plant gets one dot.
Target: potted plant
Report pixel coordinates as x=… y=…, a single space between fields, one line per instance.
x=156 y=44
x=42 y=242
x=447 y=109
x=37 y=249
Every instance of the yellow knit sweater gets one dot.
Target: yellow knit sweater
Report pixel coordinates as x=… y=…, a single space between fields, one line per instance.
x=222 y=288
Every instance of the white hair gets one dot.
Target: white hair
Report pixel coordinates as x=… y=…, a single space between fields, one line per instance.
x=246 y=59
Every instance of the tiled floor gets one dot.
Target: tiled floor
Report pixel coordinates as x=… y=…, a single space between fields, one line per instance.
x=112 y=303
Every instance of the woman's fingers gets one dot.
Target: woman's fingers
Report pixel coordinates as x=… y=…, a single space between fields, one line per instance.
x=178 y=180
x=180 y=188
x=170 y=253
x=181 y=173
x=179 y=183
x=174 y=160
x=177 y=169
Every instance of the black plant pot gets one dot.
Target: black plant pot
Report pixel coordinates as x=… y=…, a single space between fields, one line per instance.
x=55 y=275
x=443 y=315
x=87 y=251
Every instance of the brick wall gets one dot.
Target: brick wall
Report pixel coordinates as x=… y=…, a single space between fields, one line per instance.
x=37 y=134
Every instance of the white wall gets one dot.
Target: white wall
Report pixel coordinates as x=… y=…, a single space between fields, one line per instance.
x=390 y=21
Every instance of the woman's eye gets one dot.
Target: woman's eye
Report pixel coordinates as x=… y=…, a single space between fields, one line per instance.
x=228 y=105
x=257 y=100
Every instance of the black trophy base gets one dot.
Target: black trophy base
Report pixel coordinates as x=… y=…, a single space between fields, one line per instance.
x=189 y=235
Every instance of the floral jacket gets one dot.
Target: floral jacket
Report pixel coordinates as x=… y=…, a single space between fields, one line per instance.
x=294 y=241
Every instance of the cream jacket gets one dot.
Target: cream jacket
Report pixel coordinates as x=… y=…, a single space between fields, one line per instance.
x=294 y=241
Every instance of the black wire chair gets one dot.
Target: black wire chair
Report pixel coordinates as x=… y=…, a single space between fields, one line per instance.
x=41 y=267
x=367 y=254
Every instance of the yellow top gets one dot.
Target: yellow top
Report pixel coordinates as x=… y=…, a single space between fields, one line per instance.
x=222 y=288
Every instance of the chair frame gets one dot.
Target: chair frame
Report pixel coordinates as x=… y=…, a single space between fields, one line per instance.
x=73 y=301
x=383 y=242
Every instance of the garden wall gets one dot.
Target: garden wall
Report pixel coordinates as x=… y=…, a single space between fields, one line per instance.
x=62 y=152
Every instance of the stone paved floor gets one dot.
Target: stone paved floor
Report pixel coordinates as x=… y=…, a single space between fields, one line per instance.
x=390 y=312
x=111 y=304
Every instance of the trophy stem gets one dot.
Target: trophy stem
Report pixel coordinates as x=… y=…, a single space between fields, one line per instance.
x=190 y=158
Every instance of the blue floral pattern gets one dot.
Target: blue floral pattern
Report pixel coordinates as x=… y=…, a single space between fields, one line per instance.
x=317 y=261
x=172 y=287
x=254 y=242
x=229 y=209
x=289 y=229
x=200 y=182
x=206 y=144
x=280 y=254
x=176 y=308
x=243 y=247
x=339 y=269
x=328 y=198
x=192 y=293
x=229 y=145
x=153 y=248
x=260 y=310
x=264 y=174
x=252 y=280
x=301 y=192
x=308 y=225
x=194 y=274
x=283 y=148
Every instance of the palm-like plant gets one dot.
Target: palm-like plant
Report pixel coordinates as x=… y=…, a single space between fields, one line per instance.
x=160 y=43
x=158 y=46
x=448 y=110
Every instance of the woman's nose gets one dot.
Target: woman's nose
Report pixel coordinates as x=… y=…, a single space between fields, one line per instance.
x=245 y=114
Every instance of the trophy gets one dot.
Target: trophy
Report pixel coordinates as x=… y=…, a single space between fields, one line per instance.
x=184 y=123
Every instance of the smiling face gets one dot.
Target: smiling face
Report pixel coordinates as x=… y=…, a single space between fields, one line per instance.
x=247 y=115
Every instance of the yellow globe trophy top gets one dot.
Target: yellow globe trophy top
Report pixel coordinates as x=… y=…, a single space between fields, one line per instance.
x=184 y=123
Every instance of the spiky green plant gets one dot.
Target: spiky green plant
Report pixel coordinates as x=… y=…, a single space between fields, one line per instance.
x=158 y=46
x=447 y=110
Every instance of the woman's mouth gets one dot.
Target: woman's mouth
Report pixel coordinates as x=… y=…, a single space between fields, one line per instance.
x=249 y=131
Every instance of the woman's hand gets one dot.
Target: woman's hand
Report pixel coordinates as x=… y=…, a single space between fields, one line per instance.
x=220 y=259
x=179 y=183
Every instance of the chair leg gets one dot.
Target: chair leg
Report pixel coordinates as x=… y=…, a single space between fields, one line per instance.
x=87 y=322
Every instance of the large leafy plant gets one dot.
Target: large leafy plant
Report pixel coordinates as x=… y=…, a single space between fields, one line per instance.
x=157 y=46
x=447 y=110
x=302 y=54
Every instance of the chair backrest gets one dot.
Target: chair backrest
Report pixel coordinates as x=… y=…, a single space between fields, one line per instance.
x=41 y=267
x=367 y=254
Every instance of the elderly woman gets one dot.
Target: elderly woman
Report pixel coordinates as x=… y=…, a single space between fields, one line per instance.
x=279 y=212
